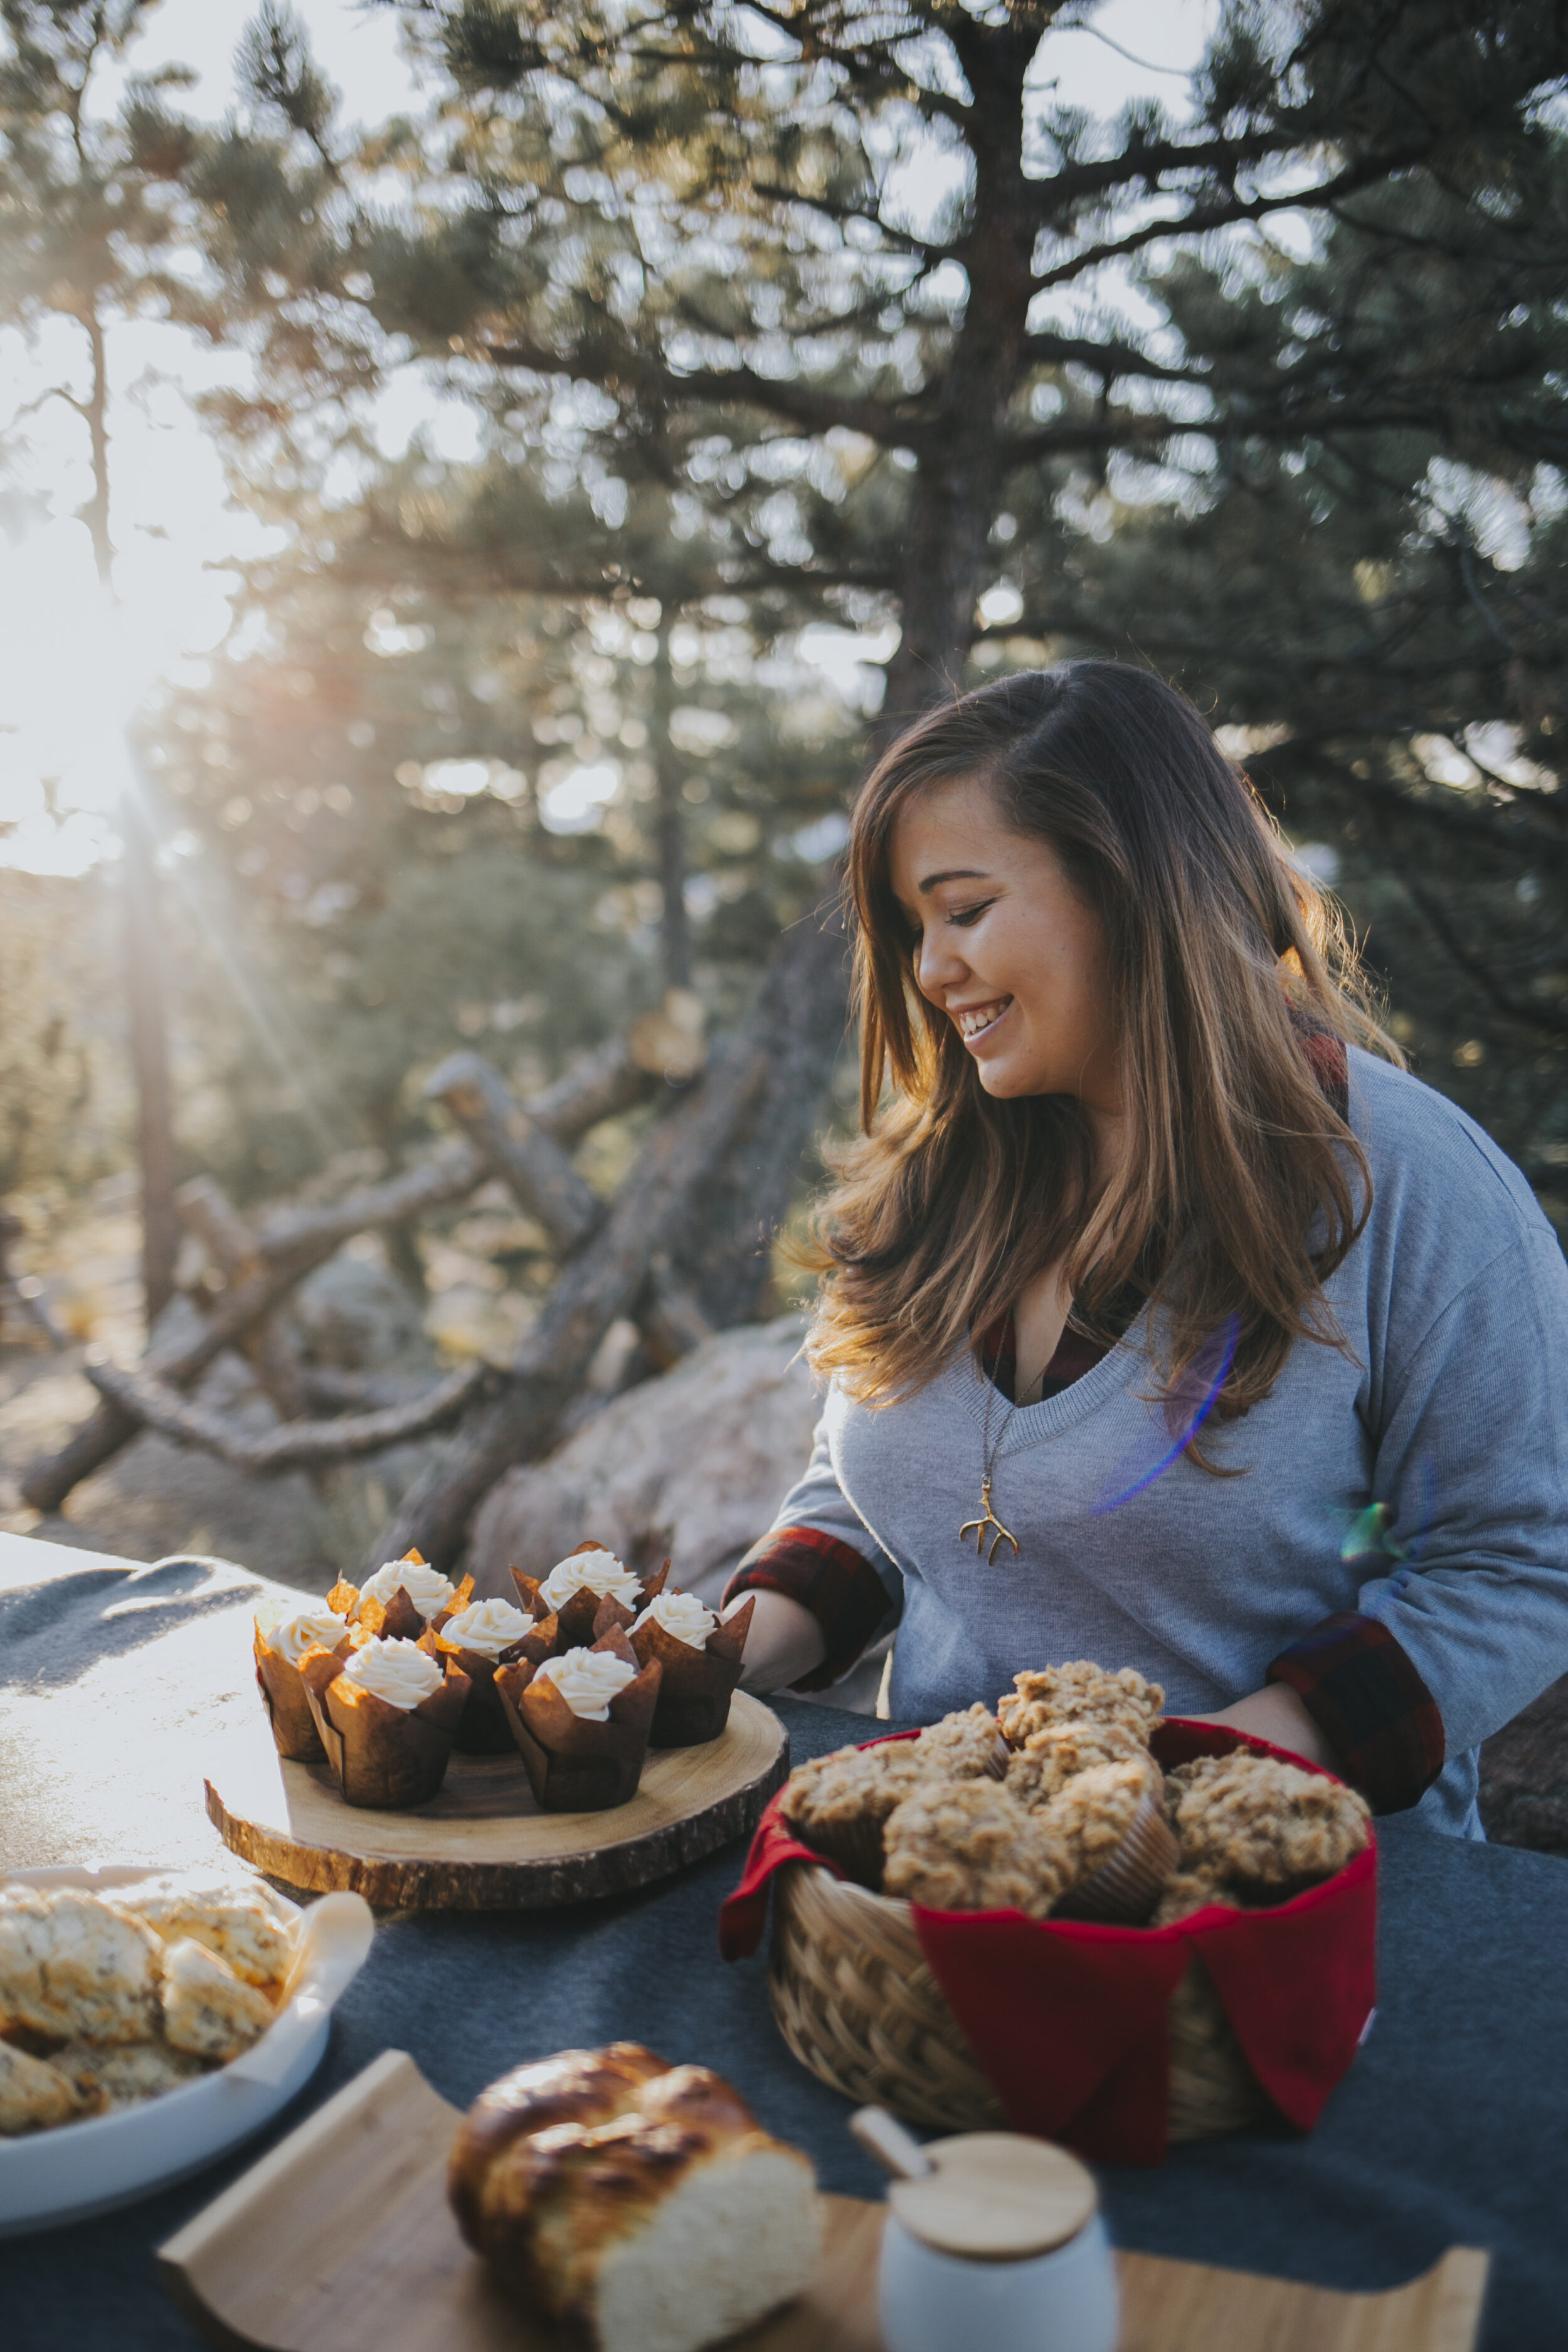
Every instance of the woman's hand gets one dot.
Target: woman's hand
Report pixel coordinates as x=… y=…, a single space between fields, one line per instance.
x=1275 y=1714
x=784 y=1642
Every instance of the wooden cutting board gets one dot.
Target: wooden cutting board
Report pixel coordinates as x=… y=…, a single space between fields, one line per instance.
x=342 y=2241
x=481 y=1843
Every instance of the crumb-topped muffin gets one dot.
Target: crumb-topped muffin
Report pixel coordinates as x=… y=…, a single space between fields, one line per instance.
x=1078 y=1692
x=964 y=1747
x=1261 y=1826
x=837 y=1804
x=967 y=1846
x=1048 y=1760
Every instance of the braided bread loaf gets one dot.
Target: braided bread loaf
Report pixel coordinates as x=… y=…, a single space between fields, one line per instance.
x=641 y=2203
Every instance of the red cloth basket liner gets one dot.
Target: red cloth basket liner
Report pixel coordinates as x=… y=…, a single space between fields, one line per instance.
x=1068 y=2017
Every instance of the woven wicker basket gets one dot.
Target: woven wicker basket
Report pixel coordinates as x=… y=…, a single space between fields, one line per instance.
x=856 y=2002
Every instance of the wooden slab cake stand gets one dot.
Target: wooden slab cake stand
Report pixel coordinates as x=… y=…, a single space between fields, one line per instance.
x=342 y=2241
x=482 y=1843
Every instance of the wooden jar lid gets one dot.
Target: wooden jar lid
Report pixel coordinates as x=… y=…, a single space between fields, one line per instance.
x=996 y=2197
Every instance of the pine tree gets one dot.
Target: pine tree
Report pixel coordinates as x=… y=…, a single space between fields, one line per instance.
x=839 y=288
x=90 y=210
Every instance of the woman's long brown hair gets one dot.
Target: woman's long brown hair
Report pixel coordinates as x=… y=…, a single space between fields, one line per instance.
x=1241 y=1188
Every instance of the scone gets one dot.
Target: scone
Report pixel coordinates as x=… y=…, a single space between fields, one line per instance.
x=238 y=1918
x=640 y=2204
x=208 y=2011
x=73 y=1968
x=36 y=2094
x=967 y=1846
x=124 y=2076
x=1265 y=1827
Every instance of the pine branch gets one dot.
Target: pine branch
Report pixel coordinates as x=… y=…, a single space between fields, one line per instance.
x=1364 y=174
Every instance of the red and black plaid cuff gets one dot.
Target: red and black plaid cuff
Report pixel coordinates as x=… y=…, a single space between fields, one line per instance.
x=843 y=1592
x=1372 y=1707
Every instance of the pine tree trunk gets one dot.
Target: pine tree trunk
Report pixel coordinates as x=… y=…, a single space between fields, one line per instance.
x=669 y=823
x=140 y=931
x=146 y=1017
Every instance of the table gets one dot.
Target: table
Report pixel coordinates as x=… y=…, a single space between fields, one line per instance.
x=1451 y=2129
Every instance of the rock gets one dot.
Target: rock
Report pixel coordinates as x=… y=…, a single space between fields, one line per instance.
x=357 y=1316
x=1524 y=1775
x=692 y=1464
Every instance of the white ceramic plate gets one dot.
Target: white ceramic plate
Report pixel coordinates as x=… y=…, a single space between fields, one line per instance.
x=50 y=2176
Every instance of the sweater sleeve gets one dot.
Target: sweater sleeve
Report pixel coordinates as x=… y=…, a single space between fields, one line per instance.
x=1471 y=1471
x=819 y=1552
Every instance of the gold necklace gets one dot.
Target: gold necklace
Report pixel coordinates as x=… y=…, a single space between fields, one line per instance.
x=988 y=1453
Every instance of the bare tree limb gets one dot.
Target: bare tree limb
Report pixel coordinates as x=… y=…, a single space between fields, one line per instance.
x=206 y=1211
x=747 y=1117
x=293 y=1445
x=295 y=1242
x=541 y=1179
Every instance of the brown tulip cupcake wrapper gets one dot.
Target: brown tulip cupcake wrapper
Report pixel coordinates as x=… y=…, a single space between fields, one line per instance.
x=1126 y=1886
x=288 y=1702
x=586 y=1618
x=996 y=1763
x=698 y=1685
x=482 y=1728
x=576 y=1766
x=386 y=1759
x=399 y=1619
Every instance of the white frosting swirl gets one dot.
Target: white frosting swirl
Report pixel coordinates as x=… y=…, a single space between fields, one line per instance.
x=682 y=1614
x=489 y=1626
x=599 y=1573
x=399 y=1672
x=308 y=1629
x=587 y=1680
x=427 y=1587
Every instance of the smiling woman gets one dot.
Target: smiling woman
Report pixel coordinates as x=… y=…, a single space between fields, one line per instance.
x=1153 y=1273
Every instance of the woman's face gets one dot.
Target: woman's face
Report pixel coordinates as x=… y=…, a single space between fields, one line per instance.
x=1007 y=947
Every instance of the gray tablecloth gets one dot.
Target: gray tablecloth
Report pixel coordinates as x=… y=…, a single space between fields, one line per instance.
x=1451 y=2129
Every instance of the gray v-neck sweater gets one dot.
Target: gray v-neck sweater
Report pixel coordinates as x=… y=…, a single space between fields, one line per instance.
x=1450 y=1409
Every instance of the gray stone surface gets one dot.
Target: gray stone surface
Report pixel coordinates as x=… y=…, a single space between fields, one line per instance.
x=692 y=1465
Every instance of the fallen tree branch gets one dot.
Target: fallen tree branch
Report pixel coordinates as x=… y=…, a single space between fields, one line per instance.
x=206 y=1211
x=686 y=1157
x=294 y=1242
x=293 y=1445
x=536 y=1170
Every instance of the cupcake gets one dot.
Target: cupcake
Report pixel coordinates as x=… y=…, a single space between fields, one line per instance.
x=480 y=1639
x=402 y=1600
x=1110 y=1825
x=589 y=1591
x=700 y=1655
x=386 y=1717
x=280 y=1646
x=581 y=1720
